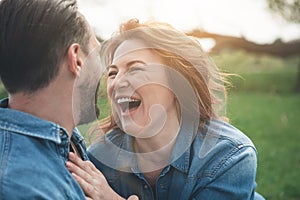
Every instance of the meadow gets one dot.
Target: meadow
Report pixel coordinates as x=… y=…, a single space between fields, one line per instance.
x=262 y=103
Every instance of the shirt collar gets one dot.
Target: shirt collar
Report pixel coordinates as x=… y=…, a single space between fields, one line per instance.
x=180 y=157
x=76 y=136
x=26 y=124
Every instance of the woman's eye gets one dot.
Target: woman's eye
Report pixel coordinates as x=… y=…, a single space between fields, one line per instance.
x=135 y=69
x=112 y=74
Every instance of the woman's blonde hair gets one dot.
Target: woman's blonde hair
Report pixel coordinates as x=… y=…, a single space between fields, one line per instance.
x=180 y=52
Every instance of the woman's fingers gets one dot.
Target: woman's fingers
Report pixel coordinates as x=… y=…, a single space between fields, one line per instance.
x=86 y=166
x=97 y=188
x=73 y=168
x=90 y=189
x=133 y=197
x=91 y=180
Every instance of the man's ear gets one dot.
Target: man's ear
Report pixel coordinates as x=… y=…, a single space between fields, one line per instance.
x=75 y=62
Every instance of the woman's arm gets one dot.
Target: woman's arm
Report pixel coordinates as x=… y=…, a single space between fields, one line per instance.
x=91 y=180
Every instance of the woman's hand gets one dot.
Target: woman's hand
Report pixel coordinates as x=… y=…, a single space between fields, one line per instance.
x=91 y=180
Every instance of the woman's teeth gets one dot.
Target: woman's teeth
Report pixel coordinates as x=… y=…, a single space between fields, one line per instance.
x=126 y=99
x=127 y=103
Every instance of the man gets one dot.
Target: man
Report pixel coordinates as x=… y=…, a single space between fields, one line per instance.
x=50 y=67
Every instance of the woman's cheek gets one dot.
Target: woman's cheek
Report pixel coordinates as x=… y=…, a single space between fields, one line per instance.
x=109 y=90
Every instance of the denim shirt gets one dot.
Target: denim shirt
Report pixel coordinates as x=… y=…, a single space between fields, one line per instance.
x=33 y=153
x=220 y=163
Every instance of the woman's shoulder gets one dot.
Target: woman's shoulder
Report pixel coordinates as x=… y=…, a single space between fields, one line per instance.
x=222 y=153
x=219 y=130
x=220 y=140
x=221 y=146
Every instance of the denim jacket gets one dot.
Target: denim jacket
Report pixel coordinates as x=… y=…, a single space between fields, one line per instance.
x=218 y=163
x=33 y=153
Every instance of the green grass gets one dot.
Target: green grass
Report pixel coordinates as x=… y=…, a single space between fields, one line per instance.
x=272 y=122
x=3 y=92
x=263 y=104
x=262 y=73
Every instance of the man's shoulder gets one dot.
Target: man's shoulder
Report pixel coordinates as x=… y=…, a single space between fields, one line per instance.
x=24 y=170
x=13 y=121
x=25 y=160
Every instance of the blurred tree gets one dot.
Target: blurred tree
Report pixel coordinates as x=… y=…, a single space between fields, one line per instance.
x=290 y=11
x=277 y=48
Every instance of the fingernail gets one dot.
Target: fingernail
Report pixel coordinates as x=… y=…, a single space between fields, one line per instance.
x=68 y=164
x=71 y=156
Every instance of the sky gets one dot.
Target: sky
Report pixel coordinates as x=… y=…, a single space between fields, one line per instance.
x=248 y=18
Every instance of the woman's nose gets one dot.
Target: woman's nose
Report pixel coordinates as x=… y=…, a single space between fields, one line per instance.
x=121 y=81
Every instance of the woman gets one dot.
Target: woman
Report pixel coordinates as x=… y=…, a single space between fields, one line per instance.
x=167 y=137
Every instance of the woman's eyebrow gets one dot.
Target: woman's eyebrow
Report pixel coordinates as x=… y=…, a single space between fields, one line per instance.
x=127 y=64
x=134 y=62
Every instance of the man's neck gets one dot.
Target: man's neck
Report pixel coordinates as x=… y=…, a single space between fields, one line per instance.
x=46 y=104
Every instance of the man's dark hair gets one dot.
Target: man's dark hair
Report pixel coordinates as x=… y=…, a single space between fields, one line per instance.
x=34 y=38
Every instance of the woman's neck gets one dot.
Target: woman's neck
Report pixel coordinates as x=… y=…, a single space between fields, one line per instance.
x=154 y=153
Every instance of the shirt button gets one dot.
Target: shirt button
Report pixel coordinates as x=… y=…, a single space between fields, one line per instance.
x=61 y=132
x=161 y=186
x=146 y=187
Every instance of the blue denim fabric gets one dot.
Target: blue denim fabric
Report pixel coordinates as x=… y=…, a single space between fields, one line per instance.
x=33 y=153
x=219 y=164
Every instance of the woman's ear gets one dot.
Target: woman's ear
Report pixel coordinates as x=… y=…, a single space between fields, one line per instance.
x=75 y=61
